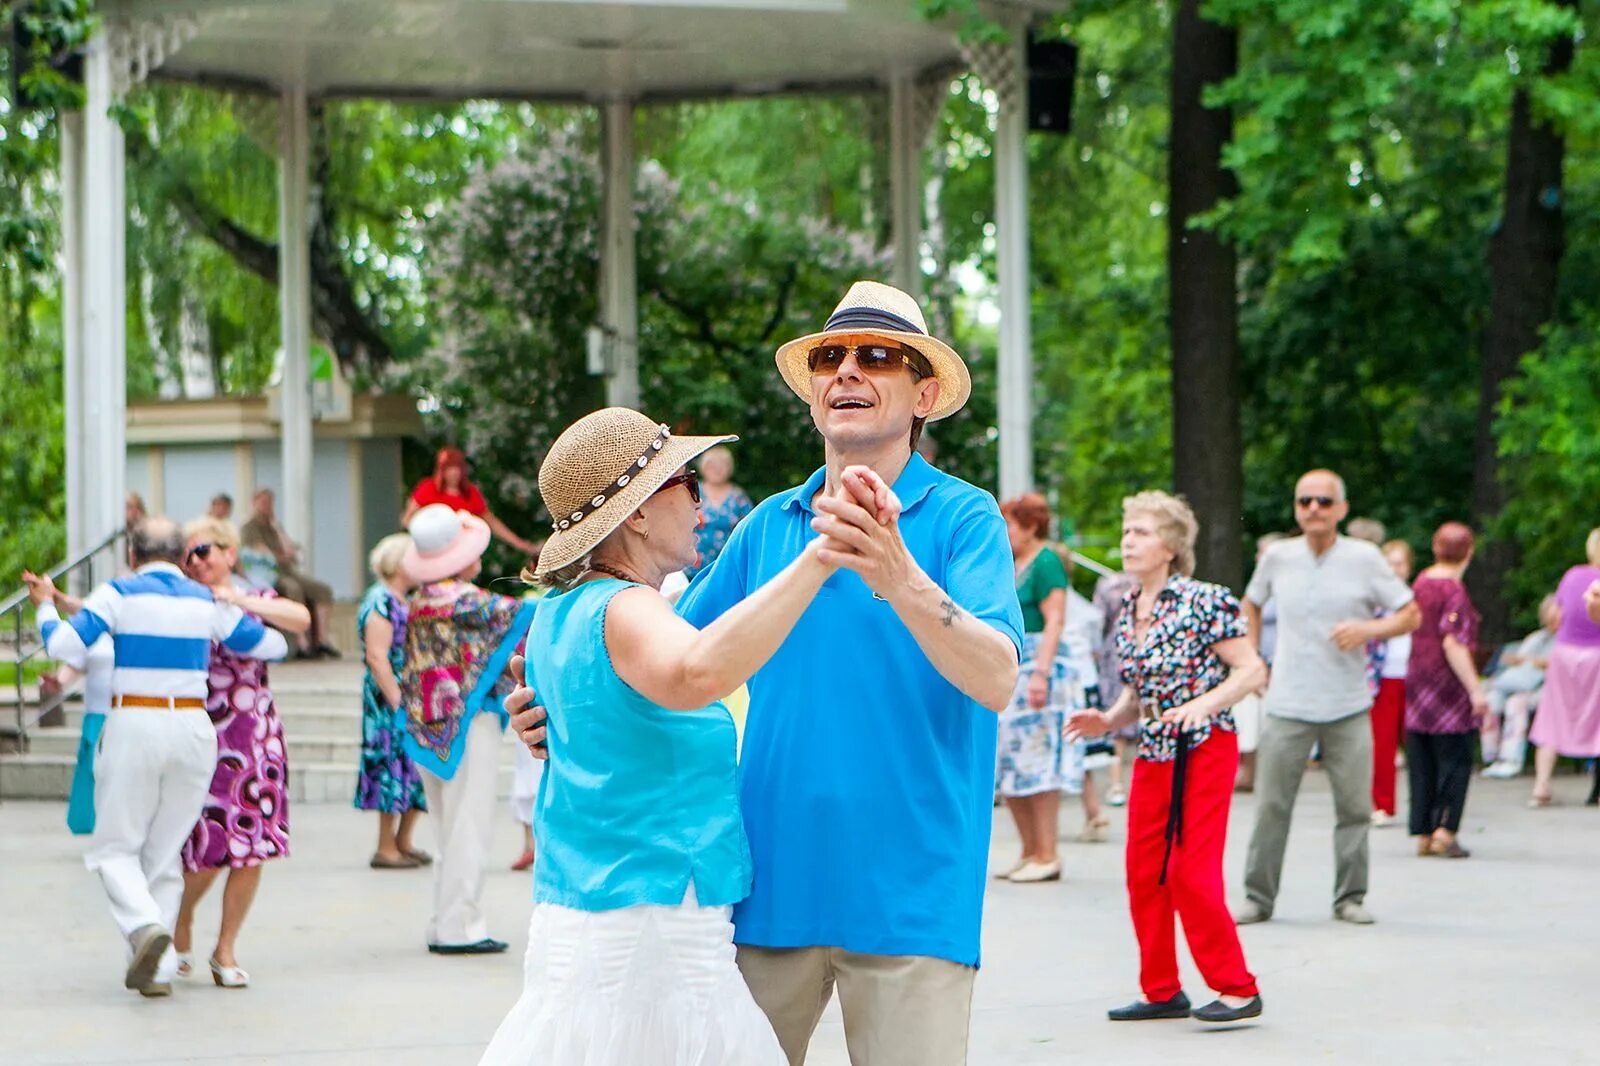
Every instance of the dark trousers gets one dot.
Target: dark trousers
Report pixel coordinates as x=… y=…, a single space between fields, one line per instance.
x=1440 y=766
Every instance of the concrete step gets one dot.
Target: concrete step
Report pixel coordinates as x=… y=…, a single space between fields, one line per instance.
x=306 y=746
x=49 y=777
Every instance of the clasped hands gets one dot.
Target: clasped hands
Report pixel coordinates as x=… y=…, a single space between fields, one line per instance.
x=860 y=527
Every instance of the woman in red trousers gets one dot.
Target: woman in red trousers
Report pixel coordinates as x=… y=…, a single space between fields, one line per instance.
x=1389 y=709
x=1185 y=659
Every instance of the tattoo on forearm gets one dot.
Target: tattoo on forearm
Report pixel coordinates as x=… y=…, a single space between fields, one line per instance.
x=950 y=611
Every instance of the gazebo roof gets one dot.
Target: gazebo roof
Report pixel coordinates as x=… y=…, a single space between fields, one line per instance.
x=579 y=50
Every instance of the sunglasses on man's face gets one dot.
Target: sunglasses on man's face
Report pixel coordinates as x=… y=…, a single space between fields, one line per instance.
x=875 y=358
x=199 y=551
x=688 y=479
x=1323 y=502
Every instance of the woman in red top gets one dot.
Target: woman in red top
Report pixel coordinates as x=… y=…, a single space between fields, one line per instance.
x=450 y=485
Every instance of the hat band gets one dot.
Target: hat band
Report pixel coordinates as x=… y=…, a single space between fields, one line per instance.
x=599 y=499
x=871 y=318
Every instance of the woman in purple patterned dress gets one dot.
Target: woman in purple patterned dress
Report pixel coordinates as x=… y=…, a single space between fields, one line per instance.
x=246 y=818
x=1444 y=699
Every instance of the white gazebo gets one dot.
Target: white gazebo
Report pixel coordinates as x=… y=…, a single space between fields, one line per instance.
x=614 y=54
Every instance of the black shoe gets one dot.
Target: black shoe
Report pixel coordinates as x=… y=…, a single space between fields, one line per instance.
x=1219 y=1012
x=1140 y=1011
x=486 y=946
x=327 y=651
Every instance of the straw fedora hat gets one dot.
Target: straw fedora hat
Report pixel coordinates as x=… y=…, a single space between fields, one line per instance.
x=444 y=541
x=599 y=471
x=883 y=311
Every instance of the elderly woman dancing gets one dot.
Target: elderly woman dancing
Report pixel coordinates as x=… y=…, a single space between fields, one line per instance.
x=642 y=850
x=245 y=822
x=1184 y=659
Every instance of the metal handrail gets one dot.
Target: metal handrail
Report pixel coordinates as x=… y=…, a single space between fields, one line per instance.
x=1079 y=559
x=26 y=650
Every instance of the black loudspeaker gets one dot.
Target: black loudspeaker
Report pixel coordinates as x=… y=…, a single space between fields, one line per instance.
x=1052 y=71
x=62 y=58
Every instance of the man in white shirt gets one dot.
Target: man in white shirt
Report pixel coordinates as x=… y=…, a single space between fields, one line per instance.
x=158 y=750
x=1327 y=588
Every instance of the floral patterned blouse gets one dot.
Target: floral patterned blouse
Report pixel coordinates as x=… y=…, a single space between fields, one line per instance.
x=1178 y=661
x=716 y=525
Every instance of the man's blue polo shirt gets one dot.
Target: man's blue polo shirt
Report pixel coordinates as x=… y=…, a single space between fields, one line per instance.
x=867 y=779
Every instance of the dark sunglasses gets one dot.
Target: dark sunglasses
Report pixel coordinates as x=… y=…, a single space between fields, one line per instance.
x=199 y=551
x=877 y=358
x=1321 y=501
x=688 y=479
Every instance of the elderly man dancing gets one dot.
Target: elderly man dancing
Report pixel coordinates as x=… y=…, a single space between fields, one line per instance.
x=158 y=749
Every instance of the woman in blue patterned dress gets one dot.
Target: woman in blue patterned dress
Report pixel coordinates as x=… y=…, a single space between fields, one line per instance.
x=1034 y=764
x=388 y=782
x=723 y=505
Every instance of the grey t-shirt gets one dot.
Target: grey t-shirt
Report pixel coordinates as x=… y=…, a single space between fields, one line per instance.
x=1312 y=680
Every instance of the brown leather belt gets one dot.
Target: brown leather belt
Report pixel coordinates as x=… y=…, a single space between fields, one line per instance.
x=165 y=703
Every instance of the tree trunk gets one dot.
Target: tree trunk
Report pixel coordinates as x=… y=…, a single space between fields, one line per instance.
x=1524 y=265
x=1207 y=445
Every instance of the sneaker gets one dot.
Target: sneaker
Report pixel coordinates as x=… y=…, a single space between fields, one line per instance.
x=156 y=989
x=149 y=943
x=1353 y=912
x=1503 y=771
x=1250 y=912
x=1381 y=819
x=1117 y=797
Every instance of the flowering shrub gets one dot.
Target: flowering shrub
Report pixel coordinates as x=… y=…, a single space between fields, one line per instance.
x=721 y=284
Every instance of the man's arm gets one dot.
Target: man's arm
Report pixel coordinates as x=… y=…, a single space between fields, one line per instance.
x=245 y=634
x=70 y=641
x=1350 y=635
x=970 y=653
x=1252 y=616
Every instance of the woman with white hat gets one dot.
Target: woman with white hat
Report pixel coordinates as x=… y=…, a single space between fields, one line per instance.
x=453 y=629
x=641 y=846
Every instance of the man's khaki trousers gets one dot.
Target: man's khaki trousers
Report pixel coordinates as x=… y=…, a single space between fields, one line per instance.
x=899 y=1010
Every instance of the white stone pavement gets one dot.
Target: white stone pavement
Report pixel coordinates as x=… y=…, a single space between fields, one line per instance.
x=1492 y=958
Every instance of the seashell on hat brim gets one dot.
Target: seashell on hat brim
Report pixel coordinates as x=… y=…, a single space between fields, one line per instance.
x=598 y=472
x=882 y=311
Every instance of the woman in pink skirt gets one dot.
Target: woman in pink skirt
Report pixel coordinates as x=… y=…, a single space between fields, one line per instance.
x=1568 y=722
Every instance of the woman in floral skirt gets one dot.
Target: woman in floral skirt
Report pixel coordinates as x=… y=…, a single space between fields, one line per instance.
x=246 y=818
x=388 y=781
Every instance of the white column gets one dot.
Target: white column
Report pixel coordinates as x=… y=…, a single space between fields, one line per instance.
x=1011 y=222
x=619 y=285
x=294 y=302
x=97 y=302
x=905 y=184
x=72 y=376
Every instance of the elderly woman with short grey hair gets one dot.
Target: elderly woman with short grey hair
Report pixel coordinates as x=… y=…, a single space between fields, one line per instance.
x=1184 y=659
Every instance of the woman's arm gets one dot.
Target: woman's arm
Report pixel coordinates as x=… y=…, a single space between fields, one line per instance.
x=1246 y=672
x=1091 y=723
x=378 y=635
x=668 y=661
x=276 y=611
x=1459 y=656
x=503 y=531
x=1054 y=609
x=411 y=509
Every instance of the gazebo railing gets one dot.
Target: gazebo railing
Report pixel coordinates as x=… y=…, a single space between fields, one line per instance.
x=16 y=629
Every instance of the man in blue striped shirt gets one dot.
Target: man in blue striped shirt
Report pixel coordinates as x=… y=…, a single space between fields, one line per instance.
x=158 y=750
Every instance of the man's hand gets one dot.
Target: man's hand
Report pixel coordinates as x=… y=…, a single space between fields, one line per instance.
x=526 y=717
x=1351 y=635
x=41 y=590
x=876 y=550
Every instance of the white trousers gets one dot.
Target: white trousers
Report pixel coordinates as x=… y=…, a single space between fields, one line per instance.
x=462 y=812
x=152 y=773
x=525 y=785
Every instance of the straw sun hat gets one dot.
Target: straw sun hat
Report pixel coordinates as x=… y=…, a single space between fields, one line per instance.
x=883 y=311
x=599 y=471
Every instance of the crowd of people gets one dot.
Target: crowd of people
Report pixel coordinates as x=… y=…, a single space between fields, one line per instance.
x=699 y=896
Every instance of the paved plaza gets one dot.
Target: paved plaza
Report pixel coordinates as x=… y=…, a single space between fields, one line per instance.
x=1490 y=959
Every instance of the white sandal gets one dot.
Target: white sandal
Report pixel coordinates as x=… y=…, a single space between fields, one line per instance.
x=228 y=976
x=185 y=964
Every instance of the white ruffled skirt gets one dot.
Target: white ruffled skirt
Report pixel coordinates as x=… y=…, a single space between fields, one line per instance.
x=639 y=986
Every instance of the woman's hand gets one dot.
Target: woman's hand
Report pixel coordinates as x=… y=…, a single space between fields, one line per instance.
x=1480 y=704
x=1190 y=715
x=226 y=593
x=1086 y=724
x=1038 y=691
